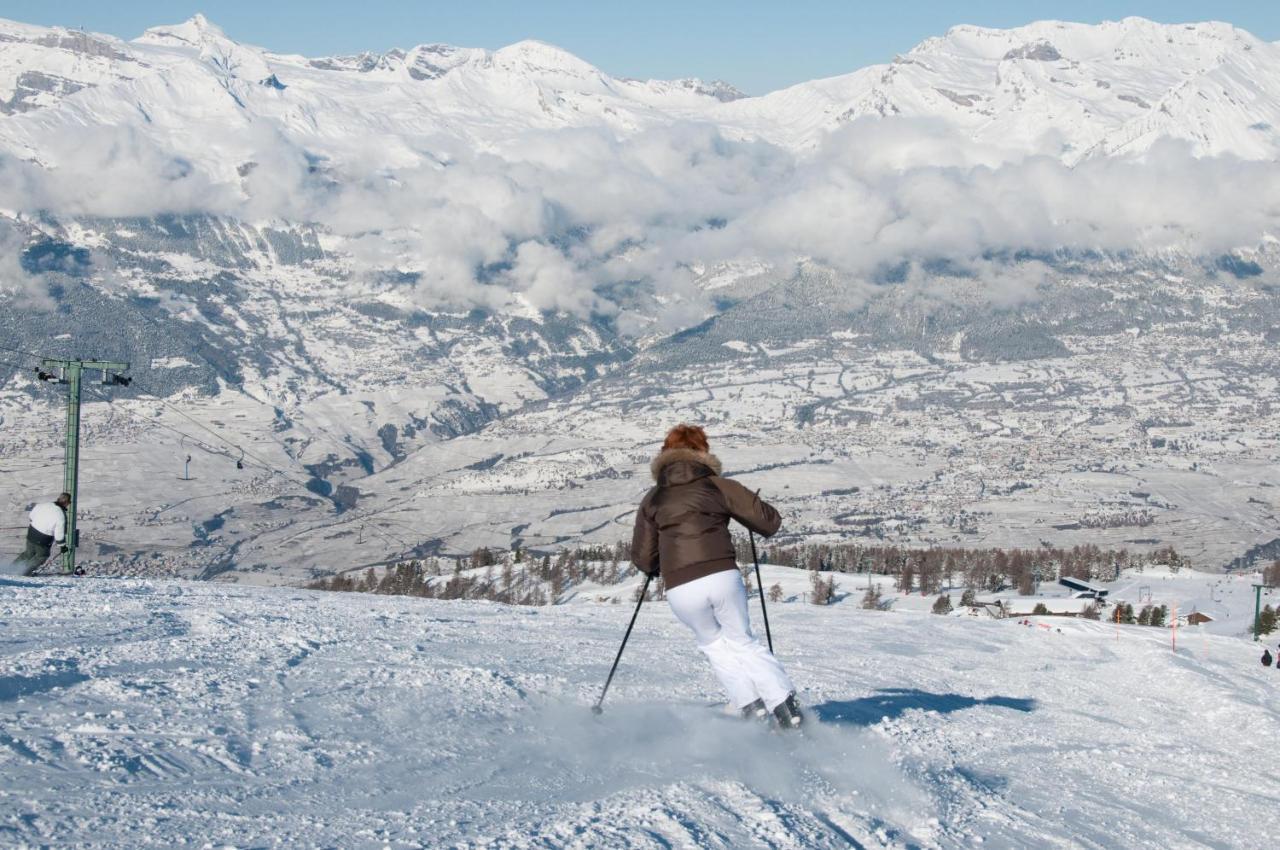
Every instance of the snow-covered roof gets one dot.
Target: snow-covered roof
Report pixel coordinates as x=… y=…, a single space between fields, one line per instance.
x=1081 y=584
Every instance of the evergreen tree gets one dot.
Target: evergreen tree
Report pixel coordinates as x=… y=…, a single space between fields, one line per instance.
x=1144 y=616
x=969 y=599
x=942 y=605
x=1159 y=615
x=871 y=599
x=1040 y=609
x=1117 y=613
x=1266 y=620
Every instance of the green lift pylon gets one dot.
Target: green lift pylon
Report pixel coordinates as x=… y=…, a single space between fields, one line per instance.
x=70 y=372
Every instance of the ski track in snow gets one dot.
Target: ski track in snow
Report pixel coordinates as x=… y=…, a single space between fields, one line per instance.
x=160 y=714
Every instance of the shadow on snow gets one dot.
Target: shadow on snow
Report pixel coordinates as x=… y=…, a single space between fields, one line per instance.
x=62 y=675
x=892 y=703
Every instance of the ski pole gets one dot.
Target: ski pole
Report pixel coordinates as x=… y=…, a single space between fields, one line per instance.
x=763 y=609
x=596 y=709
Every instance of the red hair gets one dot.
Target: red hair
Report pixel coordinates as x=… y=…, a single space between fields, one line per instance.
x=686 y=437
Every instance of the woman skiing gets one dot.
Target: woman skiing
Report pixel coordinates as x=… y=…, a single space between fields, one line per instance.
x=682 y=534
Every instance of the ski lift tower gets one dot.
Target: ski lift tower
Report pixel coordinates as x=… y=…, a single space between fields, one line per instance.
x=69 y=372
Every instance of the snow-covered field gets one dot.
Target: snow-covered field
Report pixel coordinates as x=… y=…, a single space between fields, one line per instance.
x=167 y=713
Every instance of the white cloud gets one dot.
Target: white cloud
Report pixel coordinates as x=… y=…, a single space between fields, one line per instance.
x=31 y=290
x=565 y=218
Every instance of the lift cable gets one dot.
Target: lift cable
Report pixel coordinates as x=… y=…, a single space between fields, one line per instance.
x=386 y=535
x=22 y=351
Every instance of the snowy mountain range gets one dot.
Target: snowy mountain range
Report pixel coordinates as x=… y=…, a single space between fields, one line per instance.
x=1015 y=286
x=1068 y=90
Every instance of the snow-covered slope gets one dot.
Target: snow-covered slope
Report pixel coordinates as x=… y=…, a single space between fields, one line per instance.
x=1067 y=90
x=167 y=714
x=40 y=66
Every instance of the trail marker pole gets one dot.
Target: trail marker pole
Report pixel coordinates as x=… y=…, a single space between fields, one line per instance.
x=69 y=372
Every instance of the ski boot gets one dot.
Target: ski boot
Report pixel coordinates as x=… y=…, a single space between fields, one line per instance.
x=756 y=711
x=787 y=714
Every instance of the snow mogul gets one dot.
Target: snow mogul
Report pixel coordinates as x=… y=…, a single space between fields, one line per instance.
x=682 y=534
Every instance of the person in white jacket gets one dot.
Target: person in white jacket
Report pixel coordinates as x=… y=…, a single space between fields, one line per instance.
x=48 y=526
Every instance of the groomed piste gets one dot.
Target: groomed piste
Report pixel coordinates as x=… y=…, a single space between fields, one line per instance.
x=167 y=713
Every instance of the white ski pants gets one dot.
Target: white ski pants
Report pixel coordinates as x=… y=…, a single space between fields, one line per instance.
x=715 y=608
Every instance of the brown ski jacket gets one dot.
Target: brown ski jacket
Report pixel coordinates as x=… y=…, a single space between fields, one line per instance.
x=682 y=525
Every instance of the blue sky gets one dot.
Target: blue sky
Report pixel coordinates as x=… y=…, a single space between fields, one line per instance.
x=757 y=46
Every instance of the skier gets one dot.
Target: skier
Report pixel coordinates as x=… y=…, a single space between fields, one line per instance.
x=48 y=526
x=1266 y=658
x=682 y=534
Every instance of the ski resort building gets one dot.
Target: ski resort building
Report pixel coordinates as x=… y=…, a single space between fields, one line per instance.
x=1083 y=589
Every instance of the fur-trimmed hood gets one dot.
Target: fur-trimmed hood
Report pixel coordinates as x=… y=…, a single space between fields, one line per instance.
x=682 y=524
x=672 y=456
